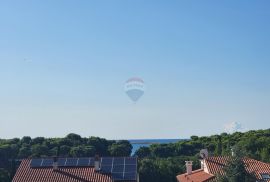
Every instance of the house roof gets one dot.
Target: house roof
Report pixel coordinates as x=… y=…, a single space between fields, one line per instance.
x=63 y=174
x=196 y=176
x=215 y=165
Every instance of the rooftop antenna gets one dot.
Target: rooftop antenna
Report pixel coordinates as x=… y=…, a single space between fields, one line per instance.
x=204 y=153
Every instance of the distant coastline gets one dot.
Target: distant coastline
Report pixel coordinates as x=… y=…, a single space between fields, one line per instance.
x=153 y=141
x=138 y=143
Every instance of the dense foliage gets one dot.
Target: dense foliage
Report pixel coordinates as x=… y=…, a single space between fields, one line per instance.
x=235 y=171
x=159 y=162
x=162 y=162
x=72 y=145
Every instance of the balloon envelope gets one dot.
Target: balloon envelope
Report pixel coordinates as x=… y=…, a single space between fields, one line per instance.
x=134 y=88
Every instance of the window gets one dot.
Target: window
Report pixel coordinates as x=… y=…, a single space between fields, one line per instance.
x=265 y=176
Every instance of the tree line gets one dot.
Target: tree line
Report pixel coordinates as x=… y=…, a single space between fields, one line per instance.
x=163 y=162
x=73 y=145
x=158 y=162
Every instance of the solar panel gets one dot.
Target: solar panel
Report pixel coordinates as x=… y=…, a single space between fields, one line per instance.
x=47 y=163
x=91 y=162
x=61 y=162
x=106 y=165
x=119 y=161
x=130 y=176
x=106 y=169
x=130 y=168
x=107 y=161
x=84 y=162
x=64 y=162
x=72 y=162
x=118 y=169
x=35 y=163
x=117 y=176
x=131 y=161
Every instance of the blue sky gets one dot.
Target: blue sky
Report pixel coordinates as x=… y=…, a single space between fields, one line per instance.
x=63 y=65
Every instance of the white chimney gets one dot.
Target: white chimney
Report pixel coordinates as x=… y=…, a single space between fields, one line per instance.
x=189 y=167
x=55 y=163
x=97 y=163
x=202 y=163
x=233 y=153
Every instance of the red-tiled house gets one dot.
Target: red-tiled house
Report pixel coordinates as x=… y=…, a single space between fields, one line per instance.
x=27 y=173
x=212 y=166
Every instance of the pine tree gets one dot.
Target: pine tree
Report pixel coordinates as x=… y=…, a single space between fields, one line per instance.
x=265 y=156
x=235 y=171
x=218 y=148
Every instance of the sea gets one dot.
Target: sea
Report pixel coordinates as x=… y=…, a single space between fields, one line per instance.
x=147 y=142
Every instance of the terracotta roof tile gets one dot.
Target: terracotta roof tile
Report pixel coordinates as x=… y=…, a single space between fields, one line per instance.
x=215 y=166
x=65 y=174
x=196 y=176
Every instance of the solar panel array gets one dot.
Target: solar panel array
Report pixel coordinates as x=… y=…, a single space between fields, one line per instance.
x=63 y=162
x=124 y=168
x=121 y=168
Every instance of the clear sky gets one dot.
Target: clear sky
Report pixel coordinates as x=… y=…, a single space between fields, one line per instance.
x=63 y=65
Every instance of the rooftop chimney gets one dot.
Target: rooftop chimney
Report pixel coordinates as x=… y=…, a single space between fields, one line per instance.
x=189 y=167
x=55 y=163
x=202 y=163
x=97 y=163
x=233 y=153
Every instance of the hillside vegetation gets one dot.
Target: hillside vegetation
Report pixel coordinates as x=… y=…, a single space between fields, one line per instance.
x=159 y=162
x=72 y=145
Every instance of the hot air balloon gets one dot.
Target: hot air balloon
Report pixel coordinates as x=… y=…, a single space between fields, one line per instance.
x=134 y=88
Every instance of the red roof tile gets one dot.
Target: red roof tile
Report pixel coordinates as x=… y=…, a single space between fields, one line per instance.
x=215 y=166
x=196 y=176
x=65 y=174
